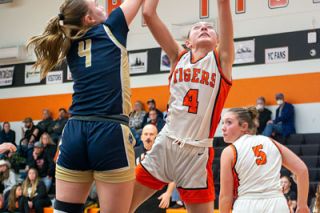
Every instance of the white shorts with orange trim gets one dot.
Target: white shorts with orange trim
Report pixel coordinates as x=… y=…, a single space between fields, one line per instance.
x=190 y=167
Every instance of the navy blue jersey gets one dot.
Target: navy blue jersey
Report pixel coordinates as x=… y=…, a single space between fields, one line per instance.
x=99 y=66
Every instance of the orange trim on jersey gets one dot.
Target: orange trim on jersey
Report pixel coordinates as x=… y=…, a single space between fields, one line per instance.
x=216 y=55
x=192 y=196
x=146 y=179
x=236 y=181
x=219 y=104
x=184 y=51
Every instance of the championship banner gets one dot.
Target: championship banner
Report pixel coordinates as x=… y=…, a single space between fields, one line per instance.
x=244 y=52
x=31 y=76
x=6 y=76
x=55 y=77
x=164 y=62
x=138 y=62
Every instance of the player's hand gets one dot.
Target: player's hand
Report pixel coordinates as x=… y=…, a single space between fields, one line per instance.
x=7 y=147
x=165 y=200
x=302 y=209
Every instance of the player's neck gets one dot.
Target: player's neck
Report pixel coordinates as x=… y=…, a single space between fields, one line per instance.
x=200 y=52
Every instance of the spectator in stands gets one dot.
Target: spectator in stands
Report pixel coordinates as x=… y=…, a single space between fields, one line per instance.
x=315 y=202
x=155 y=120
x=284 y=121
x=45 y=123
x=151 y=106
x=7 y=135
x=148 y=136
x=31 y=133
x=165 y=113
x=43 y=163
x=7 y=179
x=288 y=193
x=14 y=196
x=264 y=114
x=7 y=147
x=136 y=119
x=34 y=194
x=49 y=146
x=56 y=127
x=136 y=116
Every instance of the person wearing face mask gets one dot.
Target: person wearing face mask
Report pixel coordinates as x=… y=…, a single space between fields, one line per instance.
x=264 y=114
x=283 y=124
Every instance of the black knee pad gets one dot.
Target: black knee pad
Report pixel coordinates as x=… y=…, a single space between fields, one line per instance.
x=64 y=207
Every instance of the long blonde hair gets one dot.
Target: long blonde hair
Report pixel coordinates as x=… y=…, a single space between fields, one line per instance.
x=27 y=183
x=53 y=45
x=49 y=138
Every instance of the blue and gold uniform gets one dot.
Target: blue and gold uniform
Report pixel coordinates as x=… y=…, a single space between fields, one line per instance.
x=96 y=142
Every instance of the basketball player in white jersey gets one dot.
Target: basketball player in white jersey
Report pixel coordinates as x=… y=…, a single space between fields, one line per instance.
x=200 y=80
x=250 y=168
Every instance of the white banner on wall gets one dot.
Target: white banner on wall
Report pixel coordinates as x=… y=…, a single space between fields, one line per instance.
x=55 y=77
x=244 y=52
x=276 y=55
x=31 y=76
x=138 y=62
x=164 y=62
x=6 y=76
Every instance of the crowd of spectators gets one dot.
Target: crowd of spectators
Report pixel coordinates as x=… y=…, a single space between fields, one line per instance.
x=27 y=176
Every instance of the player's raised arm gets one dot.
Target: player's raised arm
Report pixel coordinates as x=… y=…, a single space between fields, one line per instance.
x=226 y=47
x=130 y=9
x=159 y=30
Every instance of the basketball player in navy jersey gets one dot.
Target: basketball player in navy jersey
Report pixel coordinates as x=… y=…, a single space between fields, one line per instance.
x=96 y=143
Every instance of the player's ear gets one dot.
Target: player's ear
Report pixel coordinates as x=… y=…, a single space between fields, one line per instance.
x=188 y=44
x=88 y=20
x=244 y=127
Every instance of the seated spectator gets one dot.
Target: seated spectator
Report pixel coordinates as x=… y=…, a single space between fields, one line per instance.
x=7 y=135
x=30 y=135
x=151 y=106
x=315 y=202
x=136 y=120
x=7 y=179
x=55 y=130
x=264 y=114
x=284 y=121
x=43 y=163
x=149 y=134
x=155 y=120
x=165 y=113
x=14 y=196
x=34 y=194
x=288 y=193
x=45 y=123
x=49 y=146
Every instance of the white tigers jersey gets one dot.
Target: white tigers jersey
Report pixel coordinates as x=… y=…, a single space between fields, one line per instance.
x=257 y=165
x=198 y=90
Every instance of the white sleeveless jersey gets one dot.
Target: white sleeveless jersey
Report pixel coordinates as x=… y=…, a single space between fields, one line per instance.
x=198 y=91
x=257 y=167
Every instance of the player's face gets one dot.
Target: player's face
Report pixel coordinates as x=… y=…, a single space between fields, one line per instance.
x=96 y=11
x=231 y=129
x=202 y=33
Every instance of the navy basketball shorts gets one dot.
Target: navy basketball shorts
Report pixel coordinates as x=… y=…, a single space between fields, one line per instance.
x=96 y=150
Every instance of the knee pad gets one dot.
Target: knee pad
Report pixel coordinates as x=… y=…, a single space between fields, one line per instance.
x=64 y=207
